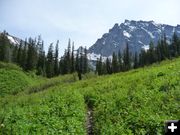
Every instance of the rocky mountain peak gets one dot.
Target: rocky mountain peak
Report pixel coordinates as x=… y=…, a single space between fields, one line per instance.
x=138 y=34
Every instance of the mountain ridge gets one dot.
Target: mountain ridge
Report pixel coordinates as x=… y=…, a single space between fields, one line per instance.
x=138 y=34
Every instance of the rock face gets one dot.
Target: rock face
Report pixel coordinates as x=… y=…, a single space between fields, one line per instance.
x=137 y=34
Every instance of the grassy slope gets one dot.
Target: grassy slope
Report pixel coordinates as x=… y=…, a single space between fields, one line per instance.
x=135 y=102
x=12 y=79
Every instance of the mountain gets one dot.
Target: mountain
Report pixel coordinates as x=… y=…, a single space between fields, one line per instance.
x=137 y=34
x=13 y=40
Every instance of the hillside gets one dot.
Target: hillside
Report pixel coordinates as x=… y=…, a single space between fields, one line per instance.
x=134 y=102
x=12 y=79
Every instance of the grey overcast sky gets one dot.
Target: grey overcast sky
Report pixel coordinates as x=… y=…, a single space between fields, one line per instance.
x=84 y=21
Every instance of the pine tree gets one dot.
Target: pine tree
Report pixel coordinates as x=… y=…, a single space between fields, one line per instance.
x=151 y=53
x=81 y=62
x=50 y=62
x=159 y=52
x=178 y=46
x=19 y=53
x=24 y=55
x=174 y=50
x=136 y=61
x=85 y=59
x=104 y=71
x=14 y=54
x=166 y=48
x=120 y=61
x=41 y=58
x=115 y=66
x=126 y=58
x=5 y=48
x=72 y=59
x=77 y=61
x=68 y=56
x=56 y=62
x=108 y=66
x=31 y=55
x=99 y=66
x=142 y=58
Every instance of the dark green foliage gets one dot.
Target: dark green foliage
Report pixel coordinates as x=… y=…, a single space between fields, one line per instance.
x=99 y=66
x=115 y=65
x=19 y=53
x=120 y=61
x=108 y=66
x=24 y=55
x=127 y=58
x=32 y=55
x=72 y=60
x=50 y=62
x=56 y=62
x=5 y=48
x=136 y=63
x=85 y=61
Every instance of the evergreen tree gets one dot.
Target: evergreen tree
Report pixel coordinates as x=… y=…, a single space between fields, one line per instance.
x=31 y=55
x=159 y=52
x=99 y=66
x=142 y=58
x=68 y=57
x=115 y=66
x=24 y=55
x=174 y=51
x=151 y=53
x=81 y=62
x=77 y=61
x=50 y=62
x=41 y=58
x=72 y=59
x=108 y=66
x=56 y=62
x=14 y=54
x=126 y=58
x=166 y=48
x=19 y=53
x=5 y=48
x=120 y=61
x=85 y=59
x=135 y=61
x=104 y=70
x=178 y=46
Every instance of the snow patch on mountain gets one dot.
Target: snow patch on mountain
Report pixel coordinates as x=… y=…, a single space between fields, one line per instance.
x=13 y=40
x=151 y=35
x=94 y=57
x=126 y=34
x=145 y=47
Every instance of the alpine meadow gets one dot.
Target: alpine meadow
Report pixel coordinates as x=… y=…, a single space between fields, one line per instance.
x=89 y=67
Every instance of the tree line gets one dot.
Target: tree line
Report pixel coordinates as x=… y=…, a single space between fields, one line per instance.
x=126 y=61
x=30 y=55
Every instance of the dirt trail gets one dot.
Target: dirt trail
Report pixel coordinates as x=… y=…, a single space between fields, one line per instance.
x=89 y=121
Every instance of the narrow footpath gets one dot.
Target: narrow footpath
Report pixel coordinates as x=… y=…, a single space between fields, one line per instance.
x=89 y=121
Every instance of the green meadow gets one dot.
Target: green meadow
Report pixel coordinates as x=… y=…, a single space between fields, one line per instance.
x=134 y=102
